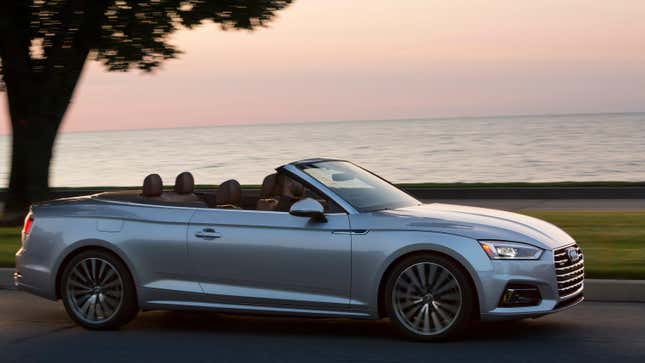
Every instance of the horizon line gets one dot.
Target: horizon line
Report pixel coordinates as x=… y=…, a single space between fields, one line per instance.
x=432 y=118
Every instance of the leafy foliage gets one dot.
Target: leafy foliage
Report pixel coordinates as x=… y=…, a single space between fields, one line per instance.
x=122 y=34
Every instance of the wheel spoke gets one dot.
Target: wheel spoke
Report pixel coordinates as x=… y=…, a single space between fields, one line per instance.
x=435 y=321
x=108 y=275
x=93 y=269
x=77 y=273
x=81 y=294
x=79 y=286
x=451 y=284
x=419 y=315
x=432 y=274
x=91 y=313
x=107 y=309
x=452 y=297
x=83 y=299
x=442 y=277
x=442 y=314
x=86 y=305
x=110 y=301
x=101 y=270
x=415 y=281
x=100 y=314
x=421 y=270
x=450 y=308
x=411 y=303
x=86 y=271
x=426 y=319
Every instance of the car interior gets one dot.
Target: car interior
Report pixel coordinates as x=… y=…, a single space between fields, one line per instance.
x=277 y=193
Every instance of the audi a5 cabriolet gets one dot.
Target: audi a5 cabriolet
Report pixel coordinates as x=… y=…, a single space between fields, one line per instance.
x=322 y=238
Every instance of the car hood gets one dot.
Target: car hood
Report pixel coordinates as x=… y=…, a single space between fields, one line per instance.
x=481 y=223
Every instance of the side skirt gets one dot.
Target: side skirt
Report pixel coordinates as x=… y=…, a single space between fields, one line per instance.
x=251 y=309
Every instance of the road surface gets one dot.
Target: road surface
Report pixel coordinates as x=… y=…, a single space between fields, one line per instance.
x=32 y=329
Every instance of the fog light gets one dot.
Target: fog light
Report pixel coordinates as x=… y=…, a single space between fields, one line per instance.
x=520 y=295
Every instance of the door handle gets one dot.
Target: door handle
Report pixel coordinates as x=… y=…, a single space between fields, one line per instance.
x=208 y=233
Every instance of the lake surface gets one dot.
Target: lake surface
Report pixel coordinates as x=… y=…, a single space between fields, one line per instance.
x=491 y=149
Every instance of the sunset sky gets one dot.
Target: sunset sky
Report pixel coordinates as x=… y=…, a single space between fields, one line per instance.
x=383 y=59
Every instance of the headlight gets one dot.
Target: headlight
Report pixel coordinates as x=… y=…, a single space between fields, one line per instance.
x=501 y=250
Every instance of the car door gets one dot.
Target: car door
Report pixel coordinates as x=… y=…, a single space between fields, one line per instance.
x=154 y=239
x=271 y=259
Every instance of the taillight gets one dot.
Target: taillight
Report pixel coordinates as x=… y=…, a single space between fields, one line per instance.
x=29 y=221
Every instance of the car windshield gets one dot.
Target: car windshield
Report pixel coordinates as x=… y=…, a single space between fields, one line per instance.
x=363 y=190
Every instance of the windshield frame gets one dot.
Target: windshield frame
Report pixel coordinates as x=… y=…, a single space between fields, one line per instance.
x=408 y=201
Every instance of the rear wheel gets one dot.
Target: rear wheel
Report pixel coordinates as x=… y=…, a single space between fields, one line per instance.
x=98 y=291
x=429 y=297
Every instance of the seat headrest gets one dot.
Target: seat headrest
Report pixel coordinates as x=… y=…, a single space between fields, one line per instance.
x=291 y=188
x=269 y=186
x=229 y=192
x=152 y=186
x=184 y=183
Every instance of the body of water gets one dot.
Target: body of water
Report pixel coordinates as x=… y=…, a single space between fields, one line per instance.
x=491 y=149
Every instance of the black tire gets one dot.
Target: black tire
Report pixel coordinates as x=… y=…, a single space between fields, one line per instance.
x=435 y=307
x=125 y=308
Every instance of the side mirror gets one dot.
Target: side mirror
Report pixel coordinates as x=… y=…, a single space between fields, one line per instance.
x=308 y=208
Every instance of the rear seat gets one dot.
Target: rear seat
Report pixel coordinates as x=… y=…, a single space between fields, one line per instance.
x=152 y=187
x=228 y=195
x=182 y=193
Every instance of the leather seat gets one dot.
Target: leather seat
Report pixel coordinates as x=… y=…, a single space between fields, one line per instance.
x=228 y=195
x=184 y=183
x=292 y=188
x=290 y=192
x=152 y=186
x=279 y=192
x=269 y=194
x=183 y=191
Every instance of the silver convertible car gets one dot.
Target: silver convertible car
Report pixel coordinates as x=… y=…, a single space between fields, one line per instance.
x=323 y=238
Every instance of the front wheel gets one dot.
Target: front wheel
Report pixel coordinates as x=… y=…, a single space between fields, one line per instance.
x=98 y=291
x=429 y=297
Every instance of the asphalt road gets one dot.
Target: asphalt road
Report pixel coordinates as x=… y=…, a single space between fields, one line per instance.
x=32 y=329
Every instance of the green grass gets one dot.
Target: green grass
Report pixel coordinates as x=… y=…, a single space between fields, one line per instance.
x=9 y=245
x=565 y=184
x=613 y=242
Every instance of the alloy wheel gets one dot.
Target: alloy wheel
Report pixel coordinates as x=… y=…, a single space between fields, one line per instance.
x=427 y=298
x=94 y=290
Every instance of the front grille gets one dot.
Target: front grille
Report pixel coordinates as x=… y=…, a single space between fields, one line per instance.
x=570 y=275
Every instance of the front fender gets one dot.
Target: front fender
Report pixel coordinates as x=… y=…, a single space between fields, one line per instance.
x=374 y=253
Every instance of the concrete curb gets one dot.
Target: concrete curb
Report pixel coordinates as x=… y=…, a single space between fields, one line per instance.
x=595 y=289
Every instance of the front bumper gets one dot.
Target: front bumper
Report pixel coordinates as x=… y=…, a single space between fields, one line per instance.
x=539 y=273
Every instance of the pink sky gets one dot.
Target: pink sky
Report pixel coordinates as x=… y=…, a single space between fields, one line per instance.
x=383 y=59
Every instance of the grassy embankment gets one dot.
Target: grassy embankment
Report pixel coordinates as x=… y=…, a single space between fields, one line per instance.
x=613 y=241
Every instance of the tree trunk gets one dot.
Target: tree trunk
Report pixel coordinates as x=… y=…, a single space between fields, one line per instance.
x=31 y=153
x=39 y=91
x=36 y=110
x=37 y=105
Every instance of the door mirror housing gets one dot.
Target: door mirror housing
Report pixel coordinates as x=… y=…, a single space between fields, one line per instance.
x=308 y=207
